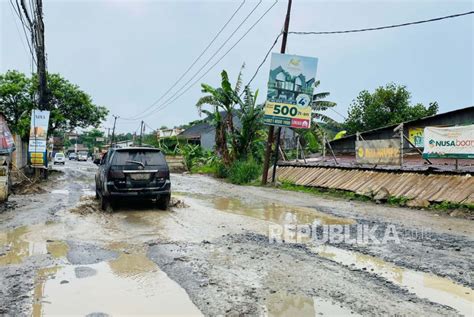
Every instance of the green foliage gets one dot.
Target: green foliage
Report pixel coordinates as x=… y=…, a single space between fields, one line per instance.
x=244 y=171
x=387 y=105
x=223 y=98
x=16 y=101
x=88 y=138
x=70 y=107
x=250 y=139
x=190 y=153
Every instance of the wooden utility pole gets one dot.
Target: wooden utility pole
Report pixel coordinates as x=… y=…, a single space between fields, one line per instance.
x=113 y=130
x=271 y=129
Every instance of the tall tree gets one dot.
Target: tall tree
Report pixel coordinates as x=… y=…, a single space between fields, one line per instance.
x=70 y=106
x=16 y=101
x=385 y=106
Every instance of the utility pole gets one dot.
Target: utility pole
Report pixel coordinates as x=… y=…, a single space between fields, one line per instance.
x=271 y=129
x=113 y=129
x=41 y=57
x=141 y=133
x=34 y=18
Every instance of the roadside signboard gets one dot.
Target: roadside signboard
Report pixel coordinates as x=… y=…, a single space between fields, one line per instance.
x=385 y=152
x=415 y=135
x=37 y=144
x=99 y=139
x=451 y=142
x=290 y=91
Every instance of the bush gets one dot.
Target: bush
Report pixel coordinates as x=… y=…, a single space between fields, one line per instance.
x=244 y=172
x=220 y=170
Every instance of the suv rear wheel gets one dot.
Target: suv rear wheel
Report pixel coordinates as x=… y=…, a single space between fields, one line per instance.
x=106 y=204
x=163 y=202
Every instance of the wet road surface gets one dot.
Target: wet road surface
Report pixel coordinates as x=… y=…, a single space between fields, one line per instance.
x=59 y=254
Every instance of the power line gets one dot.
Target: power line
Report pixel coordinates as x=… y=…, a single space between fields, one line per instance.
x=263 y=61
x=208 y=60
x=384 y=27
x=196 y=60
x=17 y=11
x=169 y=101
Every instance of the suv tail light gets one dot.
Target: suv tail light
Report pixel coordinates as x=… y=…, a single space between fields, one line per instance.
x=163 y=174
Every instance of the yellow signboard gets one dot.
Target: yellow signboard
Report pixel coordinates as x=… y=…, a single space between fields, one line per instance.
x=37 y=158
x=283 y=114
x=415 y=135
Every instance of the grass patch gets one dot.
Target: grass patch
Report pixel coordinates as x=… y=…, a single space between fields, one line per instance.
x=244 y=172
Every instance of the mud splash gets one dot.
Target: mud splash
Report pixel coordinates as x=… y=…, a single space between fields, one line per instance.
x=424 y=285
x=86 y=205
x=276 y=213
x=128 y=285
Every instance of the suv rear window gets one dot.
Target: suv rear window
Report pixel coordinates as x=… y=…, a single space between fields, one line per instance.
x=145 y=157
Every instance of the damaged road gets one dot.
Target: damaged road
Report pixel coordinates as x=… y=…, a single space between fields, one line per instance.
x=226 y=250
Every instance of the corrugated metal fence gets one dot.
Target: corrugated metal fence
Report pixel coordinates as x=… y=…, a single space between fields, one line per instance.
x=414 y=186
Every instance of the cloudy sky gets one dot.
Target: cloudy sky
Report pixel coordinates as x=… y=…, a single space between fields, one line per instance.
x=127 y=54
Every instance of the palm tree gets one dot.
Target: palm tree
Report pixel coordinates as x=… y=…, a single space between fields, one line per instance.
x=319 y=105
x=223 y=98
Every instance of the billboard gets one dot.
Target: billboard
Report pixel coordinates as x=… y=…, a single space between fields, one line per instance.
x=451 y=142
x=386 y=152
x=37 y=143
x=290 y=91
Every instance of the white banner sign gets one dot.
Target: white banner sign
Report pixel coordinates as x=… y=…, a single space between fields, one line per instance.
x=38 y=134
x=452 y=142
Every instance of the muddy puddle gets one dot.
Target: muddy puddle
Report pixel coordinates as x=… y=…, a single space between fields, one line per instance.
x=282 y=305
x=277 y=213
x=18 y=244
x=128 y=285
x=424 y=285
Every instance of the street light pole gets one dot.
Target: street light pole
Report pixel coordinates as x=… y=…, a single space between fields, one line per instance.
x=271 y=129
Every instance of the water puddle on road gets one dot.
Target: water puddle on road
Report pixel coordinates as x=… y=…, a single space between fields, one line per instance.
x=128 y=285
x=277 y=213
x=19 y=244
x=282 y=304
x=424 y=285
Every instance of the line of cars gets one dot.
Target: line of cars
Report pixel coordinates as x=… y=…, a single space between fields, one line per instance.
x=60 y=158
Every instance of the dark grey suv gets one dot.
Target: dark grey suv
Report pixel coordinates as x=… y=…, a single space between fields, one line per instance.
x=133 y=173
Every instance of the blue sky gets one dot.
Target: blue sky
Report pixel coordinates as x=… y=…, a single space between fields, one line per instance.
x=126 y=54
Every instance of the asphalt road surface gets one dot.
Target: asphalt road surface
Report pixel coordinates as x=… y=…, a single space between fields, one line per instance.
x=227 y=250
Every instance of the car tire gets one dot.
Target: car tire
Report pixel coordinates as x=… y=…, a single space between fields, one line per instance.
x=163 y=202
x=105 y=204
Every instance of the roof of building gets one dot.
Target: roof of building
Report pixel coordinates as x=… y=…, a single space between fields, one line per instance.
x=196 y=130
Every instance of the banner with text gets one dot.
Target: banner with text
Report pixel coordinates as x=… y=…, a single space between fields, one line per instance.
x=378 y=152
x=37 y=144
x=452 y=142
x=290 y=91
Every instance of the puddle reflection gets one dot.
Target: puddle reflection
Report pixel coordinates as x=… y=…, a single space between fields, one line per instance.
x=280 y=214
